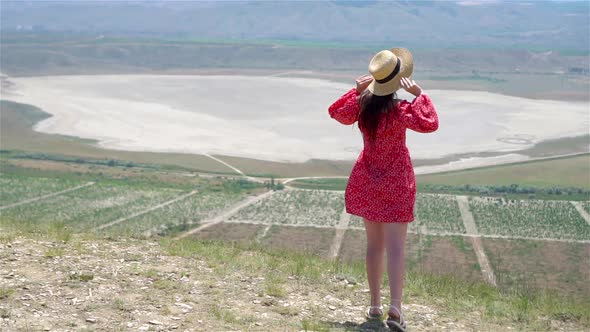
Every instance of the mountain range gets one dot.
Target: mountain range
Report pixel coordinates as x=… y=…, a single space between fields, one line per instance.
x=538 y=25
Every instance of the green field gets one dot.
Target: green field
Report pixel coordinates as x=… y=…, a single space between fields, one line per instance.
x=566 y=178
x=564 y=172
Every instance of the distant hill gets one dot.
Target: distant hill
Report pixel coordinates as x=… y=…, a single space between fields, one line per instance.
x=540 y=25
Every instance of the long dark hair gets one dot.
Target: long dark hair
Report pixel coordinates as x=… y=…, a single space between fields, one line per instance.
x=372 y=107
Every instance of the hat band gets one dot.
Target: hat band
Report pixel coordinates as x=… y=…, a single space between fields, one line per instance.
x=392 y=75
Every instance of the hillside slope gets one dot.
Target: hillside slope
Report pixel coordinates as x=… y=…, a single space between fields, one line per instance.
x=75 y=283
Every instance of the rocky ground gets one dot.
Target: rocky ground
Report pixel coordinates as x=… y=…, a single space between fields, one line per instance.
x=134 y=285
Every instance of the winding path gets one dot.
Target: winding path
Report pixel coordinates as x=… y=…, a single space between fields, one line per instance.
x=340 y=230
x=155 y=207
x=287 y=180
x=250 y=178
x=224 y=215
x=261 y=236
x=581 y=210
x=474 y=237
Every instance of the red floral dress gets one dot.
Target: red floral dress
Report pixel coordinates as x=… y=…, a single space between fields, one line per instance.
x=382 y=185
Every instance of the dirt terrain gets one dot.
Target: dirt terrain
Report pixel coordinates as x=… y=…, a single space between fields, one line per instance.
x=135 y=285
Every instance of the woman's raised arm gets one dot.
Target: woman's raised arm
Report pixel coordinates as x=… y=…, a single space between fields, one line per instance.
x=346 y=109
x=419 y=115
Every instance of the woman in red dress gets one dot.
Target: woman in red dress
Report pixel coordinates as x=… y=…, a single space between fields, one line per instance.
x=381 y=188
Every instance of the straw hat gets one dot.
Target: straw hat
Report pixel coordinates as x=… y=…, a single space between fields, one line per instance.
x=387 y=68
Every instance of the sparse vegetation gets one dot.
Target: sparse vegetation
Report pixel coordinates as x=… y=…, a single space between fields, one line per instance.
x=456 y=296
x=4 y=313
x=5 y=293
x=120 y=305
x=54 y=252
x=81 y=276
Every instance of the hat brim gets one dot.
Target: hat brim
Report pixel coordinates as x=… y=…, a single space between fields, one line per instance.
x=406 y=70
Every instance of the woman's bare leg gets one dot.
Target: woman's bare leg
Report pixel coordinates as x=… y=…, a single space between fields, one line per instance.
x=375 y=251
x=395 y=239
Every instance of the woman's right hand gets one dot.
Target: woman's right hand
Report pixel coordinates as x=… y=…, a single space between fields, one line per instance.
x=411 y=86
x=362 y=82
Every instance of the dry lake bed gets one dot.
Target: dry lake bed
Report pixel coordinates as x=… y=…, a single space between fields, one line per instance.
x=276 y=118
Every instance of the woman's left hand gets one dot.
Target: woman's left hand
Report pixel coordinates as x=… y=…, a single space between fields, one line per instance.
x=362 y=82
x=411 y=86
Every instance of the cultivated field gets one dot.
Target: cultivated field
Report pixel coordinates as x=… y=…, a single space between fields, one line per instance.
x=189 y=210
x=17 y=189
x=308 y=220
x=296 y=207
x=89 y=207
x=135 y=209
x=529 y=218
x=438 y=213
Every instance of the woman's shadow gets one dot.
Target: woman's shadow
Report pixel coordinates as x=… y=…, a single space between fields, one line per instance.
x=369 y=325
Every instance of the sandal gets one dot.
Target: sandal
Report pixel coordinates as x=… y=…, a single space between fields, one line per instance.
x=396 y=324
x=374 y=316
